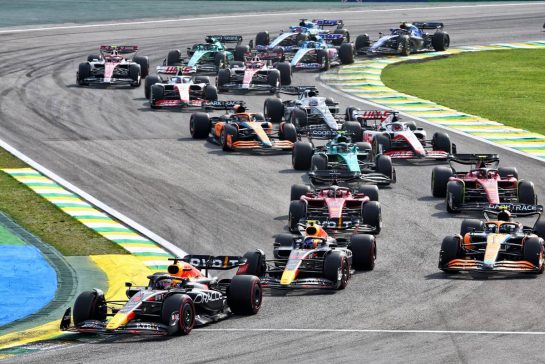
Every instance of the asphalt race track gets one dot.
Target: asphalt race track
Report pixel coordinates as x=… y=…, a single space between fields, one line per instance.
x=144 y=164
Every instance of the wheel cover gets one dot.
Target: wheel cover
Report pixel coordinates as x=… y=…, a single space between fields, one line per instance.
x=187 y=316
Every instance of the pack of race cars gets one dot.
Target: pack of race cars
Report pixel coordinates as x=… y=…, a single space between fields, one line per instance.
x=334 y=219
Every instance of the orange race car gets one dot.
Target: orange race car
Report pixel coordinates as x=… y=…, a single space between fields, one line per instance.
x=239 y=129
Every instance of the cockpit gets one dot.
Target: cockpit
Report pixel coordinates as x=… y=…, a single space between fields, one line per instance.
x=336 y=192
x=396 y=126
x=502 y=227
x=484 y=173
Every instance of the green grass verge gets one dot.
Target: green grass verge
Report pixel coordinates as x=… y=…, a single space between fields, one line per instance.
x=505 y=86
x=45 y=220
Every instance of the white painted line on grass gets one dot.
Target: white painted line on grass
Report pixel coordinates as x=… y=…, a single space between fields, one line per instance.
x=223 y=17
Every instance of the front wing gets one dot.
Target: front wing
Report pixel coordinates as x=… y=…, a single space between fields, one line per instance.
x=499 y=266
x=303 y=283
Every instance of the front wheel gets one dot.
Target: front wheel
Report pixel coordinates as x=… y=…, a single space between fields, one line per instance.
x=364 y=251
x=335 y=263
x=178 y=312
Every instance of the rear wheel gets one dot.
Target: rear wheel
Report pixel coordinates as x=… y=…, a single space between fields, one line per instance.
x=299 y=190
x=381 y=144
x=89 y=305
x=288 y=132
x=533 y=253
x=301 y=156
x=346 y=53
x=202 y=79
x=362 y=42
x=470 y=225
x=526 y=193
x=349 y=113
x=245 y=295
x=84 y=71
x=439 y=179
x=178 y=310
x=371 y=214
x=450 y=249
x=508 y=172
x=364 y=251
x=354 y=129
x=199 y=125
x=240 y=52
x=150 y=81
x=173 y=57
x=440 y=41
x=454 y=196
x=370 y=191
x=273 y=109
x=262 y=39
x=344 y=39
x=299 y=118
x=334 y=263
x=220 y=59
x=256 y=264
x=441 y=141
x=297 y=211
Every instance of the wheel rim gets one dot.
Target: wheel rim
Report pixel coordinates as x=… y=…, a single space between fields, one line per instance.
x=187 y=316
x=191 y=126
x=256 y=293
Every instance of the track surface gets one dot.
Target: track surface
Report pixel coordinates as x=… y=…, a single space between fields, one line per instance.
x=145 y=164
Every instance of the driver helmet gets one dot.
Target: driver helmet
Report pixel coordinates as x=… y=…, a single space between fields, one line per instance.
x=312 y=93
x=164 y=284
x=311 y=243
x=239 y=109
x=342 y=147
x=403 y=25
x=342 y=139
x=504 y=215
x=177 y=79
x=507 y=228
x=313 y=101
x=186 y=79
x=397 y=127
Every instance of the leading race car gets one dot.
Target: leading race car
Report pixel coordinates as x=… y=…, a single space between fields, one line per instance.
x=312 y=260
x=483 y=184
x=496 y=245
x=113 y=67
x=239 y=129
x=399 y=139
x=408 y=38
x=173 y=302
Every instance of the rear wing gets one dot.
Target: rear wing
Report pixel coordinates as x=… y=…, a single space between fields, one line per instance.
x=328 y=23
x=220 y=262
x=428 y=25
x=170 y=70
x=330 y=37
x=221 y=105
x=225 y=38
x=469 y=159
x=120 y=49
x=297 y=90
x=265 y=55
x=379 y=115
x=516 y=209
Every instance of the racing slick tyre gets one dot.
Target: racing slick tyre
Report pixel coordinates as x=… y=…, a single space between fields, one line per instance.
x=94 y=57
x=539 y=229
x=89 y=305
x=244 y=295
x=346 y=53
x=364 y=147
x=273 y=79
x=333 y=263
x=354 y=130
x=273 y=109
x=318 y=162
x=301 y=156
x=297 y=211
x=299 y=118
x=322 y=58
x=262 y=39
x=178 y=306
x=285 y=73
x=440 y=41
x=199 y=125
x=381 y=144
x=441 y=141
x=364 y=251
x=508 y=171
x=228 y=136
x=220 y=60
x=299 y=190
x=370 y=191
x=135 y=74
x=454 y=196
x=157 y=92
x=469 y=225
x=348 y=114
x=450 y=249
x=143 y=61
x=288 y=132
x=362 y=42
x=526 y=192
x=210 y=93
x=240 y=52
x=385 y=166
x=223 y=78
x=84 y=71
x=439 y=179
x=282 y=241
x=371 y=214
x=173 y=57
x=202 y=79
x=255 y=264
x=533 y=253
x=411 y=124
x=148 y=82
x=346 y=35
x=404 y=45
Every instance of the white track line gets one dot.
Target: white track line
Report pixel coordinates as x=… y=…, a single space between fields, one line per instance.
x=223 y=17
x=379 y=331
x=61 y=181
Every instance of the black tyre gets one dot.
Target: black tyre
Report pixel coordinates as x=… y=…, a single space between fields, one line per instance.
x=385 y=166
x=454 y=196
x=148 y=82
x=143 y=61
x=440 y=41
x=323 y=58
x=348 y=114
x=318 y=162
x=240 y=52
x=223 y=78
x=364 y=251
x=134 y=74
x=301 y=156
x=346 y=53
x=289 y=132
x=508 y=172
x=178 y=306
x=533 y=253
x=285 y=73
x=94 y=57
x=345 y=39
x=297 y=211
x=285 y=240
x=364 y=147
x=273 y=109
x=299 y=118
x=439 y=179
x=228 y=136
x=255 y=264
x=362 y=42
x=262 y=39
x=372 y=216
x=210 y=93
x=450 y=249
x=526 y=192
x=202 y=79
x=173 y=57
x=273 y=78
x=199 y=125
x=89 y=305
x=299 y=190
x=369 y=190
x=334 y=262
x=353 y=128
x=539 y=229
x=404 y=45
x=220 y=59
x=84 y=71
x=411 y=124
x=381 y=144
x=245 y=295
x=157 y=92
x=441 y=141
x=470 y=225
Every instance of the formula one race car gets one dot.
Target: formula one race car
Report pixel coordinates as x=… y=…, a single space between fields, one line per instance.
x=254 y=74
x=239 y=129
x=171 y=303
x=398 y=139
x=313 y=116
x=112 y=67
x=483 y=184
x=210 y=56
x=339 y=159
x=496 y=245
x=178 y=91
x=320 y=55
x=313 y=260
x=339 y=210
x=408 y=38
